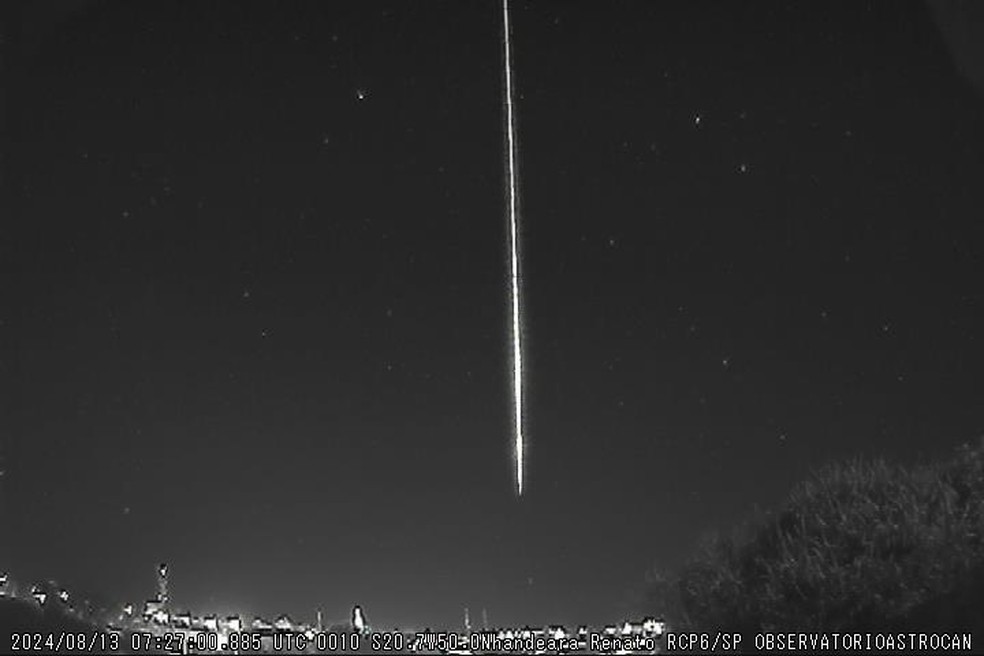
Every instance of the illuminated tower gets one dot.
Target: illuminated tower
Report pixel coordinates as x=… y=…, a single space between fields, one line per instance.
x=162 y=585
x=359 y=624
x=467 y=621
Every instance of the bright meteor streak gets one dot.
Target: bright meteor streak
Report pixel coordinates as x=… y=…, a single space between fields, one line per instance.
x=514 y=257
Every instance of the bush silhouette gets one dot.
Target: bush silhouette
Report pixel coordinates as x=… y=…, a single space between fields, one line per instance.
x=858 y=547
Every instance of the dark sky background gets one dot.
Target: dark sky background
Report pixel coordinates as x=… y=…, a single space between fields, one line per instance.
x=255 y=309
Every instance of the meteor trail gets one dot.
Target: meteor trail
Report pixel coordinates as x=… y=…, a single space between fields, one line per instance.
x=514 y=257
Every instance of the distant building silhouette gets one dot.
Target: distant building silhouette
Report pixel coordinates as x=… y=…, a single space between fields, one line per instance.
x=283 y=624
x=653 y=627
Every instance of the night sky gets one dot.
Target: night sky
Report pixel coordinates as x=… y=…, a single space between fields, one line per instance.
x=255 y=320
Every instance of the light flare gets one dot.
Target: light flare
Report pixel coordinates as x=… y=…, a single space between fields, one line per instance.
x=517 y=346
